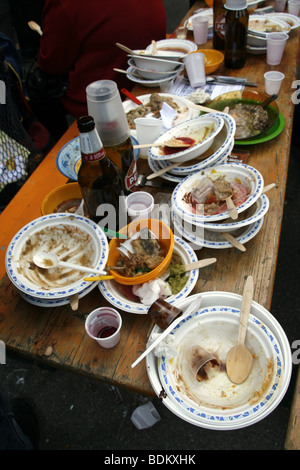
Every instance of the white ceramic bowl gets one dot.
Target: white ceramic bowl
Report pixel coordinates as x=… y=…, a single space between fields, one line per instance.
x=194 y=128
x=34 y=288
x=184 y=111
x=292 y=20
x=274 y=340
x=155 y=64
x=221 y=143
x=149 y=74
x=246 y=174
x=115 y=293
x=256 y=50
x=256 y=41
x=173 y=47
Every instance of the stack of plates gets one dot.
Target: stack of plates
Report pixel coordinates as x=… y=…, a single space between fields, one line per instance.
x=76 y=235
x=216 y=403
x=218 y=153
x=206 y=230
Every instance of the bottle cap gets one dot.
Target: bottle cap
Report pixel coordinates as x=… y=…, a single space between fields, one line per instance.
x=236 y=4
x=105 y=105
x=85 y=124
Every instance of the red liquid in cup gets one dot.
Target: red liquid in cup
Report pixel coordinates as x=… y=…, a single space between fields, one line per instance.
x=106 y=332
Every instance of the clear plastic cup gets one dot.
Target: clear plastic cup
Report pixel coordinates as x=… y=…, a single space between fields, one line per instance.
x=145 y=416
x=181 y=32
x=139 y=205
x=104 y=325
x=147 y=130
x=294 y=7
x=273 y=81
x=200 y=29
x=280 y=5
x=275 y=47
x=194 y=64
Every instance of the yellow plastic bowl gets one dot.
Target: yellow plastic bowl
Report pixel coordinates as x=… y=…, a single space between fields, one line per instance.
x=212 y=60
x=58 y=195
x=166 y=241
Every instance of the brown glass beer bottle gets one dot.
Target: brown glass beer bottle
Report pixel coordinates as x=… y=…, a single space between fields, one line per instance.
x=98 y=176
x=105 y=105
x=236 y=30
x=219 y=13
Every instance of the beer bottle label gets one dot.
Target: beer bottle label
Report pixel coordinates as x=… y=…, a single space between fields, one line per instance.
x=93 y=157
x=131 y=176
x=91 y=149
x=220 y=26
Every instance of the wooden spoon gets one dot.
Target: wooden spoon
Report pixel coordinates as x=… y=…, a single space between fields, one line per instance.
x=239 y=358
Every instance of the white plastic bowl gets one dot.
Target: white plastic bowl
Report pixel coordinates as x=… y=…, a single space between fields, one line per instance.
x=92 y=230
x=189 y=128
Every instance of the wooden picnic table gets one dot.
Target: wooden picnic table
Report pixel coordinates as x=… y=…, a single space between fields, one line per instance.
x=28 y=329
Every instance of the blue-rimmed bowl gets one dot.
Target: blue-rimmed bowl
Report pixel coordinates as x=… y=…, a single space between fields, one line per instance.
x=204 y=128
x=89 y=234
x=232 y=172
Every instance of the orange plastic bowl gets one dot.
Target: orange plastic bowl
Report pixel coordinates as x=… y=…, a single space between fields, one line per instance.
x=59 y=195
x=166 y=241
x=212 y=60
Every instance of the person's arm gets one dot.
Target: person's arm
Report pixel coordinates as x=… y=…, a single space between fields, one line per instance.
x=60 y=43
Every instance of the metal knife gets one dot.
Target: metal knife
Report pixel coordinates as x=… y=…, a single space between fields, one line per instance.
x=229 y=80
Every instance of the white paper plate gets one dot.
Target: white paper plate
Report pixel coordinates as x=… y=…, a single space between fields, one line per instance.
x=99 y=241
x=201 y=237
x=112 y=293
x=185 y=112
x=244 y=173
x=220 y=147
x=265 y=333
x=69 y=158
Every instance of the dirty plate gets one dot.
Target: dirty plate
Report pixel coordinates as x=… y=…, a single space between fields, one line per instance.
x=216 y=403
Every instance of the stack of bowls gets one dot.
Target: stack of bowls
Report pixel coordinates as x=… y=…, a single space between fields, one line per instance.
x=197 y=158
x=70 y=236
x=154 y=68
x=206 y=230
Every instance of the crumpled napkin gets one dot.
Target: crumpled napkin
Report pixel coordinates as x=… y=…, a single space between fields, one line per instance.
x=164 y=348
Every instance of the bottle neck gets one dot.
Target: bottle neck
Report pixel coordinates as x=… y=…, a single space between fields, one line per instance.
x=91 y=146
